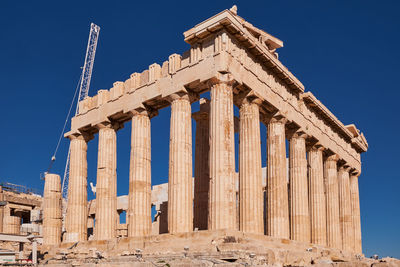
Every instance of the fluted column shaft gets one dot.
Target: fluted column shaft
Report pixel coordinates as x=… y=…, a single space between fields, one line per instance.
x=277 y=183
x=180 y=194
x=139 y=211
x=317 y=196
x=106 y=186
x=334 y=235
x=222 y=198
x=355 y=211
x=76 y=218
x=250 y=186
x=201 y=166
x=299 y=209
x=52 y=210
x=345 y=217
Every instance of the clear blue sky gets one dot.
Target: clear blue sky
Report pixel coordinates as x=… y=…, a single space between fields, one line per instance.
x=346 y=53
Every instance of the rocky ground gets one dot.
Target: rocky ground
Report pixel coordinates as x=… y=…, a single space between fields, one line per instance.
x=220 y=248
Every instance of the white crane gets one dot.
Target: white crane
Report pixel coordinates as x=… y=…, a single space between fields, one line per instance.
x=84 y=84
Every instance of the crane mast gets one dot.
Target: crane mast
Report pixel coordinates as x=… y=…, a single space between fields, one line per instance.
x=83 y=90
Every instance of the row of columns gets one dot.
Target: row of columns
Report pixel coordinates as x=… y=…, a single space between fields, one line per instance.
x=320 y=206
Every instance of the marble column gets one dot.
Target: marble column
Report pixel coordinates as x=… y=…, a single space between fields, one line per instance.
x=277 y=183
x=201 y=165
x=106 y=186
x=52 y=217
x=334 y=235
x=77 y=211
x=180 y=194
x=345 y=217
x=317 y=195
x=139 y=210
x=250 y=186
x=355 y=212
x=299 y=209
x=222 y=198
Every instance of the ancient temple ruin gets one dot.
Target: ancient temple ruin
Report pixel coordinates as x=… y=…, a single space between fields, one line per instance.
x=238 y=63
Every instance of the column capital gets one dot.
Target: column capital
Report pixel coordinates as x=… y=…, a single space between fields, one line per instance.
x=145 y=111
x=276 y=117
x=81 y=135
x=246 y=96
x=299 y=133
x=354 y=172
x=333 y=157
x=184 y=94
x=109 y=124
x=344 y=167
x=222 y=78
x=316 y=147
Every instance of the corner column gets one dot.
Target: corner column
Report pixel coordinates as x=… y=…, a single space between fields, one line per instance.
x=106 y=186
x=201 y=165
x=317 y=195
x=345 y=217
x=299 y=210
x=76 y=218
x=355 y=211
x=222 y=198
x=180 y=194
x=277 y=183
x=334 y=235
x=139 y=207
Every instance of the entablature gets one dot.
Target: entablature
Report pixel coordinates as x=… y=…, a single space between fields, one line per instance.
x=259 y=47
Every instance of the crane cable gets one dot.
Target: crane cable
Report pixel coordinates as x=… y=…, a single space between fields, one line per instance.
x=53 y=158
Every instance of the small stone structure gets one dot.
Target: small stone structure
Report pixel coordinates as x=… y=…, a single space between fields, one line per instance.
x=238 y=64
x=52 y=210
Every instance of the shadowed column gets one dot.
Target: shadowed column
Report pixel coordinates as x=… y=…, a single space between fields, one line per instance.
x=222 y=198
x=317 y=195
x=201 y=165
x=76 y=218
x=180 y=194
x=106 y=186
x=277 y=184
x=250 y=186
x=52 y=217
x=346 y=220
x=334 y=235
x=139 y=211
x=355 y=212
x=299 y=210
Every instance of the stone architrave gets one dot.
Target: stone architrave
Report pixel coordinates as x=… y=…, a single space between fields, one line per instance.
x=277 y=183
x=299 y=209
x=52 y=217
x=345 y=217
x=106 y=186
x=250 y=184
x=139 y=211
x=201 y=165
x=180 y=194
x=77 y=210
x=334 y=235
x=355 y=211
x=317 y=195
x=222 y=197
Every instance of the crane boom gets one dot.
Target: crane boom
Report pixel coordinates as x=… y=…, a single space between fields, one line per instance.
x=83 y=90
